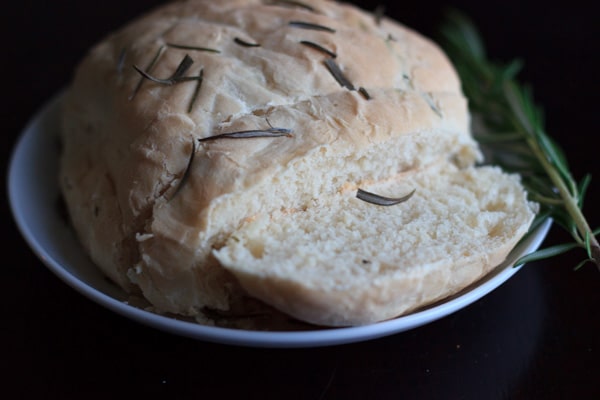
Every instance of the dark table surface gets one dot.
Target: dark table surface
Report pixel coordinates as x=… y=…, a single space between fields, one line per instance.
x=535 y=337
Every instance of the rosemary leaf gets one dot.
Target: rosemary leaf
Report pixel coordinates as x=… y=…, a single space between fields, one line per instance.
x=364 y=93
x=319 y=48
x=196 y=48
x=335 y=70
x=242 y=42
x=429 y=100
x=199 y=79
x=310 y=25
x=583 y=186
x=381 y=200
x=291 y=3
x=548 y=252
x=148 y=68
x=248 y=134
x=186 y=172
x=177 y=76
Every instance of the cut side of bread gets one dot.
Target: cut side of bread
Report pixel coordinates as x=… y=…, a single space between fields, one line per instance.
x=344 y=261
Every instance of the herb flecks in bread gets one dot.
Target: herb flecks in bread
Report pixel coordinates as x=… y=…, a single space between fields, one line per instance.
x=198 y=194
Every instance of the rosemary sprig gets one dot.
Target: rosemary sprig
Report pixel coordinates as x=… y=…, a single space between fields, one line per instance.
x=509 y=125
x=379 y=200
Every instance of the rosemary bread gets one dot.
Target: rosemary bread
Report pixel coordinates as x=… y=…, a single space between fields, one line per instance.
x=211 y=151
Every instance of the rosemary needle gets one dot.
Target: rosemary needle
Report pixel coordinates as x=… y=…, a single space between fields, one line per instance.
x=318 y=47
x=148 y=68
x=291 y=3
x=186 y=171
x=310 y=25
x=244 y=43
x=176 y=77
x=337 y=73
x=382 y=200
x=195 y=48
x=249 y=134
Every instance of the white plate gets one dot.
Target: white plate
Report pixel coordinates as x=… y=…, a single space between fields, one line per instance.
x=33 y=195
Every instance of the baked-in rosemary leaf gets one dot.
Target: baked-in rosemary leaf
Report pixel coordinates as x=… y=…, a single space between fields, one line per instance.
x=186 y=172
x=291 y=3
x=255 y=133
x=310 y=25
x=364 y=93
x=319 y=48
x=148 y=68
x=382 y=200
x=242 y=42
x=200 y=78
x=431 y=103
x=337 y=73
x=178 y=75
x=196 y=48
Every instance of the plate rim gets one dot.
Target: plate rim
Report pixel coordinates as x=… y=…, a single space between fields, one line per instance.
x=230 y=336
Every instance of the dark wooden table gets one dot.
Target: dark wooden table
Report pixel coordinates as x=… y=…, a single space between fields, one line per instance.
x=535 y=337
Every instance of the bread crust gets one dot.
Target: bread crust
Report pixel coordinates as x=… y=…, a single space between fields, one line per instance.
x=150 y=215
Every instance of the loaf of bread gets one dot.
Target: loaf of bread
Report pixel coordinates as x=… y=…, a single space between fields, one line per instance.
x=213 y=152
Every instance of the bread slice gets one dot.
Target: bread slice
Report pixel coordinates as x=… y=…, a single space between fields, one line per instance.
x=154 y=180
x=344 y=261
